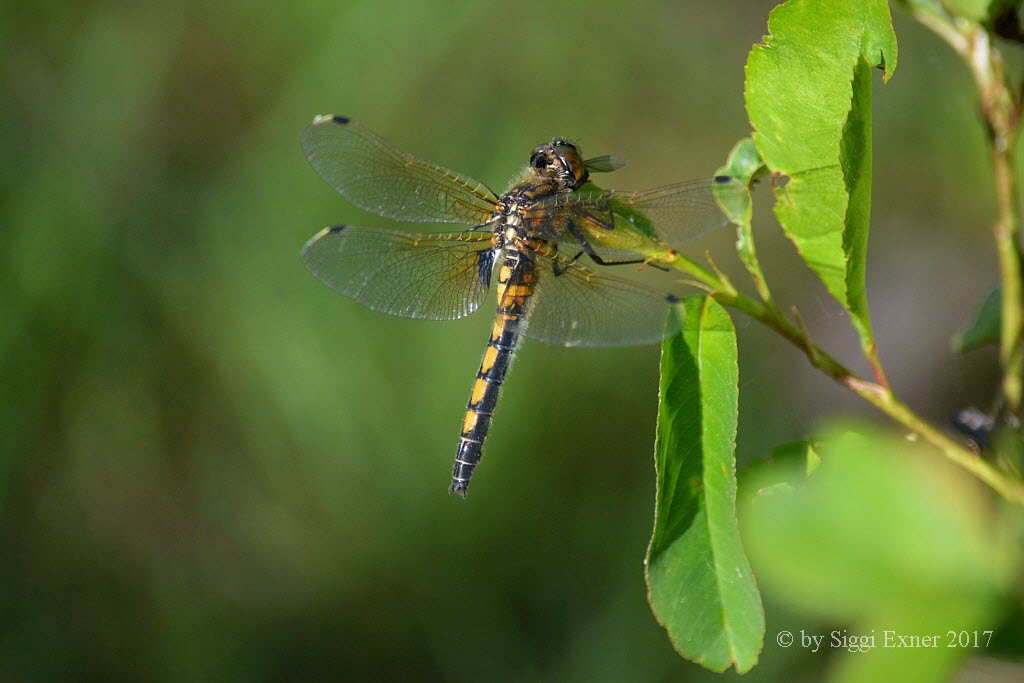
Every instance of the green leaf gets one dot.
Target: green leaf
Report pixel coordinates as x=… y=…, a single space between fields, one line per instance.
x=744 y=164
x=808 y=95
x=986 y=326
x=883 y=538
x=699 y=581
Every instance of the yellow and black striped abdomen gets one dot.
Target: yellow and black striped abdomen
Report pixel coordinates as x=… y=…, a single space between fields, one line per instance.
x=515 y=286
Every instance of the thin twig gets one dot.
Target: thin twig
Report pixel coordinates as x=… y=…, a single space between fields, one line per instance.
x=812 y=353
x=1000 y=106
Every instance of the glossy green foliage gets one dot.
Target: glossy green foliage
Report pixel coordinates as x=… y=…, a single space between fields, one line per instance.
x=700 y=585
x=984 y=328
x=808 y=96
x=744 y=164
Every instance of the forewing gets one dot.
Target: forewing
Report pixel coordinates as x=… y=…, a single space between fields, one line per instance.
x=378 y=177
x=435 y=277
x=576 y=306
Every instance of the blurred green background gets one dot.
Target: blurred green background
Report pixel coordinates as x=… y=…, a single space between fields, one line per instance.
x=214 y=468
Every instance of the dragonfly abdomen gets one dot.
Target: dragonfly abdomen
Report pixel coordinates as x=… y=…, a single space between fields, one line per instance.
x=515 y=286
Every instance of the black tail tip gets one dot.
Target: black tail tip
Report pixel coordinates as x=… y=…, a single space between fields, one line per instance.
x=330 y=118
x=459 y=487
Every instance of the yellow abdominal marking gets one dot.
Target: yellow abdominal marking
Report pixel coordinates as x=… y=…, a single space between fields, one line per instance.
x=469 y=423
x=504 y=274
x=490 y=355
x=479 y=387
x=515 y=295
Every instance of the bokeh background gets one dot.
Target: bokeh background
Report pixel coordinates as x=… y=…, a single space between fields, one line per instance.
x=214 y=468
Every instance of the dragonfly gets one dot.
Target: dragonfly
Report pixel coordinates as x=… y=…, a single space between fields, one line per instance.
x=541 y=242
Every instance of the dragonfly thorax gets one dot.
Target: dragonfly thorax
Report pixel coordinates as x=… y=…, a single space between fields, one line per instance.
x=513 y=222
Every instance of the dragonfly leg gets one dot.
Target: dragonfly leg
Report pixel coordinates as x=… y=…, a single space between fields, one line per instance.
x=589 y=250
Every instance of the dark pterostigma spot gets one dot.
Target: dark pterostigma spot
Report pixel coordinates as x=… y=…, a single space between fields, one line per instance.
x=340 y=119
x=337 y=228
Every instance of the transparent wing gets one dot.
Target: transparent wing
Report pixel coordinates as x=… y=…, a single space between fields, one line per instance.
x=577 y=306
x=623 y=224
x=380 y=178
x=436 y=277
x=605 y=163
x=682 y=212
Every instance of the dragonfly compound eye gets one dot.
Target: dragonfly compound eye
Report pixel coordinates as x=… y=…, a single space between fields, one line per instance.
x=570 y=161
x=541 y=157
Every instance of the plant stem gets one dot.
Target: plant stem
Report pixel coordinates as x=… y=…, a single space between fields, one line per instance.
x=1001 y=112
x=1006 y=231
x=1000 y=106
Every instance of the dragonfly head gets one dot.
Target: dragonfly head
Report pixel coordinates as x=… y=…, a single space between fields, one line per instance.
x=561 y=161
